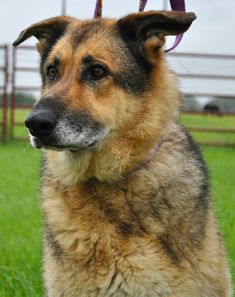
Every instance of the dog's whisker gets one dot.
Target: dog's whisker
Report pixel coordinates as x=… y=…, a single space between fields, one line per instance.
x=27 y=146
x=23 y=133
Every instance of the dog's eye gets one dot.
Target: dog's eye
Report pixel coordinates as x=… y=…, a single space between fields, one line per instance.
x=52 y=73
x=98 y=72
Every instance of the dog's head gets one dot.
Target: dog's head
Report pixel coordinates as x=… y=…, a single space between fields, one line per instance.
x=102 y=79
x=94 y=74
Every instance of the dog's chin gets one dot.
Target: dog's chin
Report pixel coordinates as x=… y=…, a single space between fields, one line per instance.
x=55 y=146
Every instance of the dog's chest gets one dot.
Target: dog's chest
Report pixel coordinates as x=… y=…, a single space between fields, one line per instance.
x=107 y=267
x=96 y=254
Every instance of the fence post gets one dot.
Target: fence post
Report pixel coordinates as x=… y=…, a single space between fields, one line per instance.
x=12 y=100
x=4 y=88
x=4 y=99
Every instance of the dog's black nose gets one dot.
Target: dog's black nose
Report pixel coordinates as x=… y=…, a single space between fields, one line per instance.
x=41 y=123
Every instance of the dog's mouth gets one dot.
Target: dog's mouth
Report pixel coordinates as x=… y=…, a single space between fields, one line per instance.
x=79 y=144
x=39 y=144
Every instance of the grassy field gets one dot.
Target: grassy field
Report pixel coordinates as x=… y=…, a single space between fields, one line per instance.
x=211 y=121
x=20 y=220
x=20 y=223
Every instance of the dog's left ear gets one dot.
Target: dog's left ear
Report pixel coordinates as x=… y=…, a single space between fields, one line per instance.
x=145 y=32
x=45 y=31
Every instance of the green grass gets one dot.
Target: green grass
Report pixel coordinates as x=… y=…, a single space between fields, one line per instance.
x=221 y=163
x=20 y=223
x=20 y=220
x=210 y=121
x=18 y=131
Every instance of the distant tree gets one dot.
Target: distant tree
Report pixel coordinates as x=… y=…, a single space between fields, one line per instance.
x=226 y=104
x=190 y=103
x=25 y=98
x=21 y=98
x=212 y=108
x=222 y=104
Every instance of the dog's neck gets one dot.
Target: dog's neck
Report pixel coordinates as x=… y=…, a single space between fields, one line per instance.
x=144 y=162
x=72 y=168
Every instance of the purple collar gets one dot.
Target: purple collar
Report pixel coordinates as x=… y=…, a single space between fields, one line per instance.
x=144 y=162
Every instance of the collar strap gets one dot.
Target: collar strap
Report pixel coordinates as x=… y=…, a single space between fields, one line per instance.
x=178 y=5
x=98 y=9
x=144 y=162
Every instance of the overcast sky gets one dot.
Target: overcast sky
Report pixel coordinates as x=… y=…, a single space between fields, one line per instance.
x=212 y=32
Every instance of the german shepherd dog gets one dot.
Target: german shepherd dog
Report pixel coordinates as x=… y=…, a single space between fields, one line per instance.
x=126 y=200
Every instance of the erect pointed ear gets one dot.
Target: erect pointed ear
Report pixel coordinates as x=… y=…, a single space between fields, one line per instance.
x=146 y=30
x=45 y=31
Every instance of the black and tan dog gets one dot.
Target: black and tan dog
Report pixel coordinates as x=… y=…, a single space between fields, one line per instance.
x=125 y=190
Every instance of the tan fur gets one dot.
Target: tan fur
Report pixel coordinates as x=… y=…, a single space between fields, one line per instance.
x=111 y=230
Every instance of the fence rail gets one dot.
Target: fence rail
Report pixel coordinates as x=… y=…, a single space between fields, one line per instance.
x=210 y=75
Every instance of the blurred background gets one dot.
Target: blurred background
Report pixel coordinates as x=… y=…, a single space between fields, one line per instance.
x=205 y=64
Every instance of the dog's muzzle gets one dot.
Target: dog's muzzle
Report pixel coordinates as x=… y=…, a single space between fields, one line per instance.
x=53 y=125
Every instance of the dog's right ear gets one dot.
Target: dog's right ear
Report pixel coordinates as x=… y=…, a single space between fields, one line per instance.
x=145 y=32
x=45 y=31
